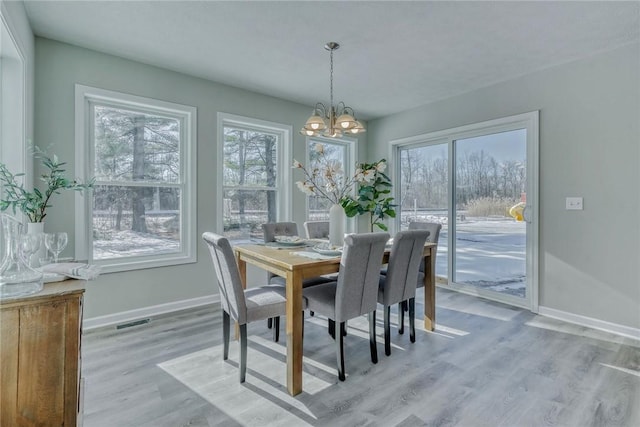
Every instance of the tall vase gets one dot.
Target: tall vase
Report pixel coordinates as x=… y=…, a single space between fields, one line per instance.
x=16 y=277
x=337 y=219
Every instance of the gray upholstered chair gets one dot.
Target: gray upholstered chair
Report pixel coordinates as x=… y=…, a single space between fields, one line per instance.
x=273 y=229
x=355 y=291
x=242 y=305
x=317 y=229
x=399 y=284
x=270 y=231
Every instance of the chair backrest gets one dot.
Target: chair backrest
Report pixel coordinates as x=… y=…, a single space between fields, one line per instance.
x=273 y=229
x=432 y=227
x=357 y=289
x=231 y=292
x=317 y=229
x=404 y=264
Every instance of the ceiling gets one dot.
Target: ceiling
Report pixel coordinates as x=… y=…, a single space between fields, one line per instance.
x=393 y=55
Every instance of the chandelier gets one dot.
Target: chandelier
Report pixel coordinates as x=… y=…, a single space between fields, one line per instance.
x=332 y=121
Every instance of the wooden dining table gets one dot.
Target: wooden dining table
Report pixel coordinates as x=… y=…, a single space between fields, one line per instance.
x=284 y=262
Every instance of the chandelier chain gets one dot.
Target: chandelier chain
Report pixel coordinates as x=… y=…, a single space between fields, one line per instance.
x=331 y=81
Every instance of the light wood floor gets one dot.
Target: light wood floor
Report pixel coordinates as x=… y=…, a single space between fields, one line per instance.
x=486 y=364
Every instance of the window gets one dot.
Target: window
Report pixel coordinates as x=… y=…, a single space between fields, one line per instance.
x=255 y=164
x=343 y=151
x=141 y=153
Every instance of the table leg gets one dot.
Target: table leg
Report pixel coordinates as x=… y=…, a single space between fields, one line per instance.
x=430 y=290
x=242 y=269
x=294 y=333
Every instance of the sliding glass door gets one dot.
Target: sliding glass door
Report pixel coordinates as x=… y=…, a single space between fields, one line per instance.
x=480 y=183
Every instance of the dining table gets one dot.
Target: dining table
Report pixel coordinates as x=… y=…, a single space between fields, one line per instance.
x=288 y=261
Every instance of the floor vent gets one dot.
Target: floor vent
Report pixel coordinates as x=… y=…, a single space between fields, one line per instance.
x=134 y=323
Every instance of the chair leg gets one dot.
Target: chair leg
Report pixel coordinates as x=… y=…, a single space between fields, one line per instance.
x=401 y=317
x=269 y=323
x=340 y=352
x=344 y=331
x=243 y=352
x=276 y=328
x=387 y=330
x=405 y=306
x=372 y=337
x=331 y=325
x=226 y=324
x=412 y=319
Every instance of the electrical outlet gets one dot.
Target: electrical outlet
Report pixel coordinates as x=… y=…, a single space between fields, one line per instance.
x=574 y=203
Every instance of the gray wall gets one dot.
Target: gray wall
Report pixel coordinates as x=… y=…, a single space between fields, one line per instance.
x=59 y=67
x=589 y=139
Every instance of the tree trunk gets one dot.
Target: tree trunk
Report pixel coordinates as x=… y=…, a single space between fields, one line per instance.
x=271 y=178
x=138 y=222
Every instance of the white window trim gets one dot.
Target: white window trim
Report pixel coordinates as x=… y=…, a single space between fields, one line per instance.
x=84 y=95
x=283 y=153
x=349 y=169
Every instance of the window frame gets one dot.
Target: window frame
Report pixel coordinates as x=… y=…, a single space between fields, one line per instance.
x=86 y=98
x=349 y=167
x=283 y=156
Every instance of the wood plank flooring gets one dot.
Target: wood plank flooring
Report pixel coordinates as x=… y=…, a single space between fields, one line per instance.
x=487 y=364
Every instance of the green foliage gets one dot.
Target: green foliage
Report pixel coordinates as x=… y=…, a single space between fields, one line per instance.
x=374 y=188
x=34 y=203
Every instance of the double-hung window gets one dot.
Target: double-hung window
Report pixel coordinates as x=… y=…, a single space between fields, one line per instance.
x=141 y=153
x=253 y=173
x=342 y=151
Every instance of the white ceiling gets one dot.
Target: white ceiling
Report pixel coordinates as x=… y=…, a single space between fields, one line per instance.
x=393 y=56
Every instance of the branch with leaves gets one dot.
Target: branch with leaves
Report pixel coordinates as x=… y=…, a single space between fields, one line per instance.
x=374 y=188
x=35 y=203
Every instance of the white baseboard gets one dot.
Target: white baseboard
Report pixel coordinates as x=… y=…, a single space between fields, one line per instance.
x=141 y=313
x=590 y=322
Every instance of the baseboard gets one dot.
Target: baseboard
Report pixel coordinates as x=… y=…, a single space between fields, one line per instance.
x=590 y=322
x=141 y=313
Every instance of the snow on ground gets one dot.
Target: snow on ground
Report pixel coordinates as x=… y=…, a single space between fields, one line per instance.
x=490 y=252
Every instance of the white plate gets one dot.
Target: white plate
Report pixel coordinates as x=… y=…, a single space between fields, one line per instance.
x=289 y=240
x=325 y=251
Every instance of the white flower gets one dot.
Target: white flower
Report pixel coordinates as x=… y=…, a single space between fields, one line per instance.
x=369 y=175
x=381 y=166
x=330 y=187
x=296 y=164
x=305 y=187
x=319 y=148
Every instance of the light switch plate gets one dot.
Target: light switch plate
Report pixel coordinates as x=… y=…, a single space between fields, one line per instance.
x=574 y=203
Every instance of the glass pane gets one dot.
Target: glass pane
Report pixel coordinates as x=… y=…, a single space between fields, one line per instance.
x=319 y=206
x=424 y=192
x=490 y=187
x=135 y=221
x=250 y=157
x=135 y=146
x=245 y=211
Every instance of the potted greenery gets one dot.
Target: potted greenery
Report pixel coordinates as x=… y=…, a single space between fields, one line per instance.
x=374 y=188
x=34 y=203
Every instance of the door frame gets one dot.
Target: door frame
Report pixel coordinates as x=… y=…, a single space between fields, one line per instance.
x=528 y=121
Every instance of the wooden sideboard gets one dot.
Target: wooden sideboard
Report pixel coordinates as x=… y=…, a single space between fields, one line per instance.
x=40 y=338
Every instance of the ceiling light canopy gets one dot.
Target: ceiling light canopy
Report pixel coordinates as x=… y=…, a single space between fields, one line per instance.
x=332 y=121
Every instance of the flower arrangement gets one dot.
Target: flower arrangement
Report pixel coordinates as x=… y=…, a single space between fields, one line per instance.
x=35 y=203
x=327 y=180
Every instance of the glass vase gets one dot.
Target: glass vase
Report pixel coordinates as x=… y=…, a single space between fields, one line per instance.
x=16 y=277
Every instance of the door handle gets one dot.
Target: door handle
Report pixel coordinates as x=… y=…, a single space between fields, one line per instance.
x=526 y=214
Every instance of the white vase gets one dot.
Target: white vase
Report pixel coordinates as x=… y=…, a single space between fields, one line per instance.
x=337 y=219
x=41 y=253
